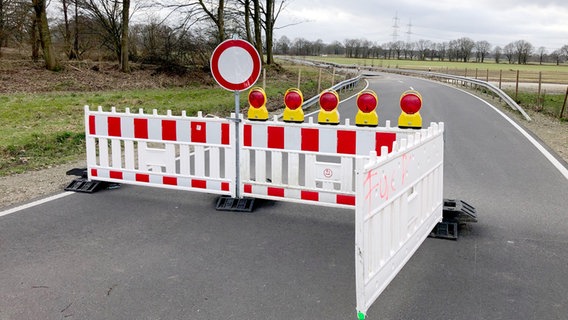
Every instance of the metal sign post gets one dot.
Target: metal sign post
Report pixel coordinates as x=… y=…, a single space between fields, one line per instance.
x=235 y=66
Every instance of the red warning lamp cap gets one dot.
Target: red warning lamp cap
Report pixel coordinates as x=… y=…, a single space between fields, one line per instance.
x=293 y=100
x=410 y=103
x=367 y=102
x=257 y=98
x=328 y=101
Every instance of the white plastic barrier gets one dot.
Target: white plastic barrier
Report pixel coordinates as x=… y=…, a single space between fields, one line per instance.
x=399 y=201
x=308 y=162
x=175 y=152
x=397 y=196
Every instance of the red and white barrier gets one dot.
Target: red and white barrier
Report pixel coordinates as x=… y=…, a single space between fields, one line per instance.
x=397 y=195
x=176 y=152
x=307 y=162
x=399 y=201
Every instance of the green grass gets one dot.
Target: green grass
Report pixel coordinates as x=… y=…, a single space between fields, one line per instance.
x=42 y=129
x=550 y=104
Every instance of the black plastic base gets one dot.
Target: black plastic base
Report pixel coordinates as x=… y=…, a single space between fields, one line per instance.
x=86 y=186
x=455 y=213
x=226 y=203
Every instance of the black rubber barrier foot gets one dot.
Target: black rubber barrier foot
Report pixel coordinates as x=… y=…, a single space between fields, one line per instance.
x=86 y=186
x=445 y=230
x=459 y=210
x=226 y=203
x=456 y=213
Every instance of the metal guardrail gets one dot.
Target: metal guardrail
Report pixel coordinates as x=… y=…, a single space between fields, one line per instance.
x=345 y=84
x=500 y=93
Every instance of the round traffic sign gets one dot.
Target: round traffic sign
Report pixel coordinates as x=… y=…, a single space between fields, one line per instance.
x=235 y=65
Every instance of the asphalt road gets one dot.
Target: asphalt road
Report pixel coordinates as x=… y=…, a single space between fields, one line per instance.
x=141 y=253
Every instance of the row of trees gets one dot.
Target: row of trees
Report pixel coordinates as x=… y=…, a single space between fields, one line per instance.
x=463 y=49
x=188 y=32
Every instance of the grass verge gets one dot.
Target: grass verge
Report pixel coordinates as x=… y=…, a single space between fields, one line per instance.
x=43 y=129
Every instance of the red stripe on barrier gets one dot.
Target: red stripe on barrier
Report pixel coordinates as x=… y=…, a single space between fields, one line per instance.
x=310 y=139
x=114 y=126
x=225 y=186
x=94 y=172
x=383 y=139
x=115 y=175
x=201 y=184
x=275 y=192
x=142 y=177
x=225 y=133
x=276 y=137
x=345 y=199
x=92 y=127
x=346 y=142
x=141 y=128
x=169 y=130
x=172 y=181
x=247 y=139
x=310 y=195
x=198 y=132
x=248 y=188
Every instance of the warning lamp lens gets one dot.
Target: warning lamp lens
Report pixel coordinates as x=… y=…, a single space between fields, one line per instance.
x=367 y=102
x=293 y=100
x=256 y=99
x=328 y=101
x=410 y=103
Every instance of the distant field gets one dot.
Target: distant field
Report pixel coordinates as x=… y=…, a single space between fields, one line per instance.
x=489 y=71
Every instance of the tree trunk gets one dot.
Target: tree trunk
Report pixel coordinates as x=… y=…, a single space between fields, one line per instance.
x=125 y=67
x=269 y=30
x=34 y=41
x=76 y=53
x=67 y=35
x=247 y=20
x=219 y=19
x=257 y=29
x=1 y=26
x=45 y=36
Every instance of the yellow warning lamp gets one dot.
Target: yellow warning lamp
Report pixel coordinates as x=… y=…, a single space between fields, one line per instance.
x=410 y=104
x=367 y=102
x=293 y=100
x=328 y=100
x=257 y=104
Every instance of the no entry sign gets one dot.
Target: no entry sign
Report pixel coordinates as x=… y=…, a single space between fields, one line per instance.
x=235 y=65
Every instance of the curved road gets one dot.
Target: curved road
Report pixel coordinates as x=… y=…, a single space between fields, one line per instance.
x=137 y=253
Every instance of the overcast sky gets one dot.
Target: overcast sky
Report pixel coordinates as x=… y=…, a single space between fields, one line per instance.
x=540 y=22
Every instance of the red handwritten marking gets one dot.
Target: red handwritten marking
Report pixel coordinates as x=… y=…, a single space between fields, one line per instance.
x=387 y=183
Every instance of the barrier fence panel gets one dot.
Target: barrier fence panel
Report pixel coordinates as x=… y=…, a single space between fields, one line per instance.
x=175 y=152
x=392 y=177
x=399 y=201
x=308 y=163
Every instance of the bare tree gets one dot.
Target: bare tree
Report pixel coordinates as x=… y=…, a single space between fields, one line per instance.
x=564 y=50
x=125 y=67
x=107 y=13
x=541 y=54
x=497 y=54
x=509 y=52
x=51 y=62
x=2 y=24
x=465 y=47
x=217 y=15
x=482 y=48
x=71 y=38
x=523 y=50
